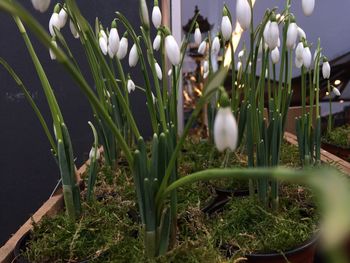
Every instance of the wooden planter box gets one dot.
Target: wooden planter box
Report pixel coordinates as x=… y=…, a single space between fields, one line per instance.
x=343 y=153
x=55 y=204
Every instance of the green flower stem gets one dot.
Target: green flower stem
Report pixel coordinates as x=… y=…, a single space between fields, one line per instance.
x=330 y=107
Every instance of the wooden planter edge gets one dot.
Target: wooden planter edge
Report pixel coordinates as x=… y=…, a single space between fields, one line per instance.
x=55 y=203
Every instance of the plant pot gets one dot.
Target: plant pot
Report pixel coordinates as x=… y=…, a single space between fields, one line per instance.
x=302 y=254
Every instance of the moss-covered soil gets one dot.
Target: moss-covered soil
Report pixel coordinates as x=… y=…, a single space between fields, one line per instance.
x=108 y=230
x=339 y=136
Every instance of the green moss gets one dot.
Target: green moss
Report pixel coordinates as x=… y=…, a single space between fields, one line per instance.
x=339 y=136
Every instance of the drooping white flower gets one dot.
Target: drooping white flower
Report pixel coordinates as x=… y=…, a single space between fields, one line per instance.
x=103 y=44
x=158 y=71
x=104 y=35
x=205 y=66
x=241 y=54
x=336 y=91
x=73 y=30
x=156 y=16
x=326 y=70
x=197 y=36
x=308 y=7
x=226 y=28
x=123 y=48
x=130 y=85
x=144 y=14
x=301 y=34
x=292 y=35
x=52 y=54
x=63 y=16
x=41 y=5
x=156 y=42
x=299 y=51
x=113 y=42
x=272 y=35
x=215 y=47
x=54 y=23
x=133 y=56
x=298 y=62
x=266 y=31
x=275 y=55
x=225 y=130
x=93 y=152
x=243 y=14
x=172 y=50
x=202 y=47
x=307 y=57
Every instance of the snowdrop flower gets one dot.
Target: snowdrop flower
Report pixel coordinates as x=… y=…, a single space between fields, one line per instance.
x=225 y=130
x=239 y=69
x=197 y=35
x=206 y=69
x=93 y=152
x=202 y=47
x=41 y=5
x=241 y=54
x=301 y=34
x=63 y=16
x=156 y=15
x=336 y=91
x=243 y=14
x=123 y=47
x=272 y=35
x=52 y=54
x=130 y=85
x=308 y=7
x=226 y=28
x=275 y=55
x=133 y=56
x=73 y=30
x=113 y=40
x=158 y=71
x=215 y=48
x=54 y=21
x=298 y=62
x=292 y=35
x=144 y=14
x=299 y=51
x=326 y=70
x=307 y=57
x=156 y=42
x=266 y=31
x=172 y=50
x=170 y=72
x=103 y=43
x=154 y=99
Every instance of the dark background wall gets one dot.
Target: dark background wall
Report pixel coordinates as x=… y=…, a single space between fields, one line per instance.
x=28 y=172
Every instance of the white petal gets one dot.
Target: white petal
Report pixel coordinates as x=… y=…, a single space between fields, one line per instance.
x=298 y=62
x=158 y=71
x=301 y=33
x=226 y=28
x=292 y=35
x=273 y=36
x=93 y=152
x=103 y=34
x=156 y=42
x=63 y=16
x=202 y=47
x=170 y=72
x=299 y=51
x=41 y=5
x=172 y=50
x=103 y=45
x=336 y=91
x=241 y=54
x=326 y=70
x=215 y=49
x=243 y=13
x=308 y=7
x=73 y=30
x=133 y=56
x=123 y=48
x=113 y=42
x=307 y=57
x=266 y=31
x=156 y=16
x=130 y=85
x=275 y=55
x=225 y=130
x=197 y=36
x=54 y=22
x=206 y=66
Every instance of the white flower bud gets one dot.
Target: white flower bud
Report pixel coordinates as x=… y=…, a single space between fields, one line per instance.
x=144 y=14
x=336 y=91
x=197 y=36
x=226 y=28
x=113 y=42
x=225 y=130
x=130 y=85
x=272 y=35
x=73 y=30
x=307 y=57
x=158 y=71
x=243 y=13
x=156 y=16
x=266 y=31
x=299 y=51
x=123 y=48
x=104 y=35
x=308 y=7
x=215 y=48
x=103 y=45
x=202 y=47
x=301 y=33
x=206 y=66
x=63 y=16
x=241 y=54
x=275 y=55
x=54 y=22
x=154 y=99
x=292 y=35
x=156 y=42
x=172 y=50
x=298 y=62
x=52 y=54
x=133 y=56
x=326 y=70
x=41 y=5
x=93 y=152
x=170 y=72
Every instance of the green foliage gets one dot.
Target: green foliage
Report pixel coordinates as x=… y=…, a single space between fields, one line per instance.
x=339 y=136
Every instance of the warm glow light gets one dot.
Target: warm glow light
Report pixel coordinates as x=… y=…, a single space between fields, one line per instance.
x=341 y=101
x=337 y=82
x=327 y=93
